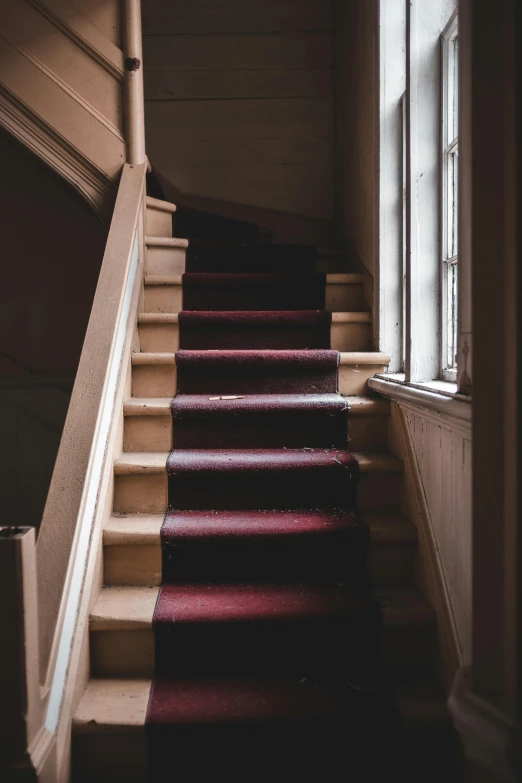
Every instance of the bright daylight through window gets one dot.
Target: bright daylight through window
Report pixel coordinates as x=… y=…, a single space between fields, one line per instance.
x=450 y=172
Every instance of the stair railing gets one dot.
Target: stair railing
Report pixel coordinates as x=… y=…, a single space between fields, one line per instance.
x=47 y=584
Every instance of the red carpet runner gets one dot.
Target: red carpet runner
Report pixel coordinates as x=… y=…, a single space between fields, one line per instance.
x=266 y=630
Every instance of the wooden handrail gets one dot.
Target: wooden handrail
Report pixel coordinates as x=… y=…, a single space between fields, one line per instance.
x=67 y=522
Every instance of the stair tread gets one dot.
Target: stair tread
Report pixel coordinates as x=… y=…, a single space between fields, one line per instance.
x=152 y=241
x=138 y=529
x=230 y=316
x=108 y=704
x=182 y=461
x=155 y=462
x=344 y=278
x=345 y=357
x=257 y=524
x=201 y=405
x=161 y=204
x=157 y=406
x=132 y=608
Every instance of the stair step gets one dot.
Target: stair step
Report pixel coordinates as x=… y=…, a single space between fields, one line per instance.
x=164 y=291
x=159 y=217
x=251 y=329
x=256 y=629
x=141 y=482
x=293 y=721
x=261 y=479
x=255 y=546
x=110 y=741
x=123 y=640
x=206 y=256
x=260 y=421
x=133 y=552
x=149 y=427
x=112 y=704
x=154 y=374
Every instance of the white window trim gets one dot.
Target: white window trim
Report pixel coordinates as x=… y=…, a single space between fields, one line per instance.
x=447 y=148
x=418 y=35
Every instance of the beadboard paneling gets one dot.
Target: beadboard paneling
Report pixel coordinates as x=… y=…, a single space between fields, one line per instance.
x=259 y=17
x=442 y=448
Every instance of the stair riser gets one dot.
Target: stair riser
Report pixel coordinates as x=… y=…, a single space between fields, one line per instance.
x=257 y=492
x=146 y=493
x=339 y=297
x=262 y=432
x=389 y=565
x=165 y=338
x=159 y=223
x=132 y=653
x=155 y=433
x=114 y=754
x=249 y=648
x=165 y=260
x=111 y=757
x=160 y=381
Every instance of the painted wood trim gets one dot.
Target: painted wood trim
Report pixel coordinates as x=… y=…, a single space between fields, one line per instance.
x=83 y=33
x=72 y=498
x=63 y=157
x=452 y=413
x=163 y=206
x=430 y=573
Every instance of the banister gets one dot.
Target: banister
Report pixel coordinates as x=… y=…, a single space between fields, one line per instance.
x=67 y=523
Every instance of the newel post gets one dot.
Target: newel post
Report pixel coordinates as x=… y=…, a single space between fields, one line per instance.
x=21 y=718
x=134 y=94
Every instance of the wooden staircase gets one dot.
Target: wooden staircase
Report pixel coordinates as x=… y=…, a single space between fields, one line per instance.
x=109 y=733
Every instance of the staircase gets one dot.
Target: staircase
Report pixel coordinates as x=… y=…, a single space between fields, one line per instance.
x=258 y=616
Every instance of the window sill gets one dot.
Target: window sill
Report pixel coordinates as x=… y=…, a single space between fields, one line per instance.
x=440 y=396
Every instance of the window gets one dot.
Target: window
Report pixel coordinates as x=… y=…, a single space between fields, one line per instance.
x=419 y=259
x=449 y=210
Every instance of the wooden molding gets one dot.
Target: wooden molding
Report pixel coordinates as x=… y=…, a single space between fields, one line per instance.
x=446 y=411
x=49 y=145
x=76 y=27
x=431 y=576
x=492 y=739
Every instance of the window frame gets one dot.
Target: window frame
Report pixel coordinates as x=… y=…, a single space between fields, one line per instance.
x=449 y=147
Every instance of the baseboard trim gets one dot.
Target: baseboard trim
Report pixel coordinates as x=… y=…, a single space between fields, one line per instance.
x=491 y=738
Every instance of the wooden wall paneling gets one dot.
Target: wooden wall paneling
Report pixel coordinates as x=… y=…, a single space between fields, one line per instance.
x=261 y=17
x=443 y=455
x=222 y=84
x=74 y=122
x=238 y=4
x=239 y=108
x=234 y=52
x=415 y=436
x=105 y=16
x=63 y=61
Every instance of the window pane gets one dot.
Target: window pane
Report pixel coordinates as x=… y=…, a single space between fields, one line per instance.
x=452 y=282
x=454 y=88
x=453 y=204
